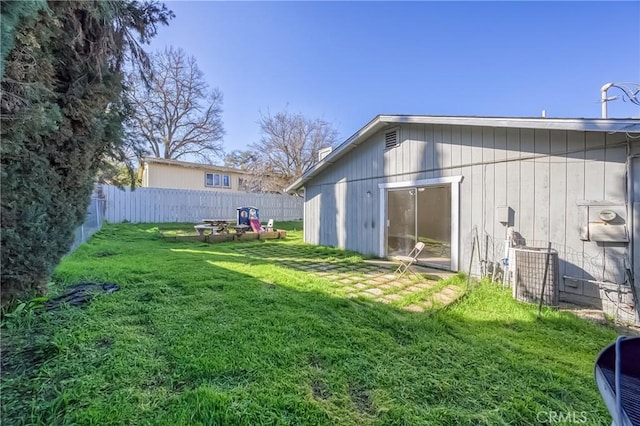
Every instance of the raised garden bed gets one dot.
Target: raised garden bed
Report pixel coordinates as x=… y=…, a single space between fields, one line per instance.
x=224 y=237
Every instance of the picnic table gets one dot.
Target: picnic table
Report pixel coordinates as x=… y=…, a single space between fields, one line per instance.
x=219 y=226
x=216 y=226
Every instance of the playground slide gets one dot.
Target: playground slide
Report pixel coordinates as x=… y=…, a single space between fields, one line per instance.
x=255 y=225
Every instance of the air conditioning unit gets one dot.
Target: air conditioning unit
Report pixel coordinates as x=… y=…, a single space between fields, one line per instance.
x=529 y=275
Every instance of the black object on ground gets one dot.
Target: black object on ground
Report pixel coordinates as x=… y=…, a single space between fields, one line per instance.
x=80 y=294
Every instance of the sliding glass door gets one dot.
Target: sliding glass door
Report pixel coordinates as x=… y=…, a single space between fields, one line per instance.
x=401 y=215
x=420 y=214
x=434 y=224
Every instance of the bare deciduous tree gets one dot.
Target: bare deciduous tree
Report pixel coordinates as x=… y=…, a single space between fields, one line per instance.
x=247 y=161
x=177 y=115
x=289 y=146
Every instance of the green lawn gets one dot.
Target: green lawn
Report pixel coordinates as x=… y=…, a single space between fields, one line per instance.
x=209 y=334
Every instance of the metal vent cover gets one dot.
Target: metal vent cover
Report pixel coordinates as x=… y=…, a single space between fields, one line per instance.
x=391 y=139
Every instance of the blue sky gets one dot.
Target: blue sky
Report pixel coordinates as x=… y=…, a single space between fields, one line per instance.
x=346 y=62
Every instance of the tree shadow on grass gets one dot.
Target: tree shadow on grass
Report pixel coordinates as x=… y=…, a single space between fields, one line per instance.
x=201 y=343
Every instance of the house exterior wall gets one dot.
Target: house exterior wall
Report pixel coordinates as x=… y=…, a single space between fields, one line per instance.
x=177 y=177
x=545 y=176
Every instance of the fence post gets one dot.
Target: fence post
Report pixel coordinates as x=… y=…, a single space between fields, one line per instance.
x=544 y=278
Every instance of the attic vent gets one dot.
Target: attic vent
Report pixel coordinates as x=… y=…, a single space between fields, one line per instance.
x=391 y=139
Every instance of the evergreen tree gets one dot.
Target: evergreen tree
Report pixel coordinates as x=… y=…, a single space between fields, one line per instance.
x=62 y=111
x=11 y=13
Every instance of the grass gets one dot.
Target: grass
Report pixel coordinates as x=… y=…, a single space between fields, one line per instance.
x=225 y=334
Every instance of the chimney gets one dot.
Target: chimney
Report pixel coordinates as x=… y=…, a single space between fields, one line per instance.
x=324 y=152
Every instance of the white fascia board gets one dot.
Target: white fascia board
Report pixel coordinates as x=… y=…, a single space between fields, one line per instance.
x=579 y=124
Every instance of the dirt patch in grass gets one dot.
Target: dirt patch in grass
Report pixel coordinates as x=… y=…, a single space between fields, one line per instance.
x=320 y=390
x=362 y=399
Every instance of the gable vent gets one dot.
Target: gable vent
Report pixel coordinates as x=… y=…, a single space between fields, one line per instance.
x=391 y=139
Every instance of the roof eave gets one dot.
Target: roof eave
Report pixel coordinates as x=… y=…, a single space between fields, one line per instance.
x=382 y=120
x=190 y=165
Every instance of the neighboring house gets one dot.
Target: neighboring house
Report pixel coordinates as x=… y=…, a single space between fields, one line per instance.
x=572 y=182
x=161 y=173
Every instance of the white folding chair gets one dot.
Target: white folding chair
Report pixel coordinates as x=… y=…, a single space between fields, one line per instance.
x=405 y=264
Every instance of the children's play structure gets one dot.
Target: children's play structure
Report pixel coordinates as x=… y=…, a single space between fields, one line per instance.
x=247 y=227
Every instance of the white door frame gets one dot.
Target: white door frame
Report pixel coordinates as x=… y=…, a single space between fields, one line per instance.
x=454 y=181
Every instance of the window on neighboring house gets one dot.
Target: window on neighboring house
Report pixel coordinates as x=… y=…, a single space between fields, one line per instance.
x=217 y=180
x=212 y=179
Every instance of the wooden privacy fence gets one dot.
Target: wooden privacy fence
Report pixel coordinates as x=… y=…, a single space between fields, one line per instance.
x=180 y=205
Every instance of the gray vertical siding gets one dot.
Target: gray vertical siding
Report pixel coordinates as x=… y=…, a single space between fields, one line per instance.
x=338 y=211
x=574 y=192
x=541 y=174
x=558 y=185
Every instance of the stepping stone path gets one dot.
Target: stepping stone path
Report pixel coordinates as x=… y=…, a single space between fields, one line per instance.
x=370 y=281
